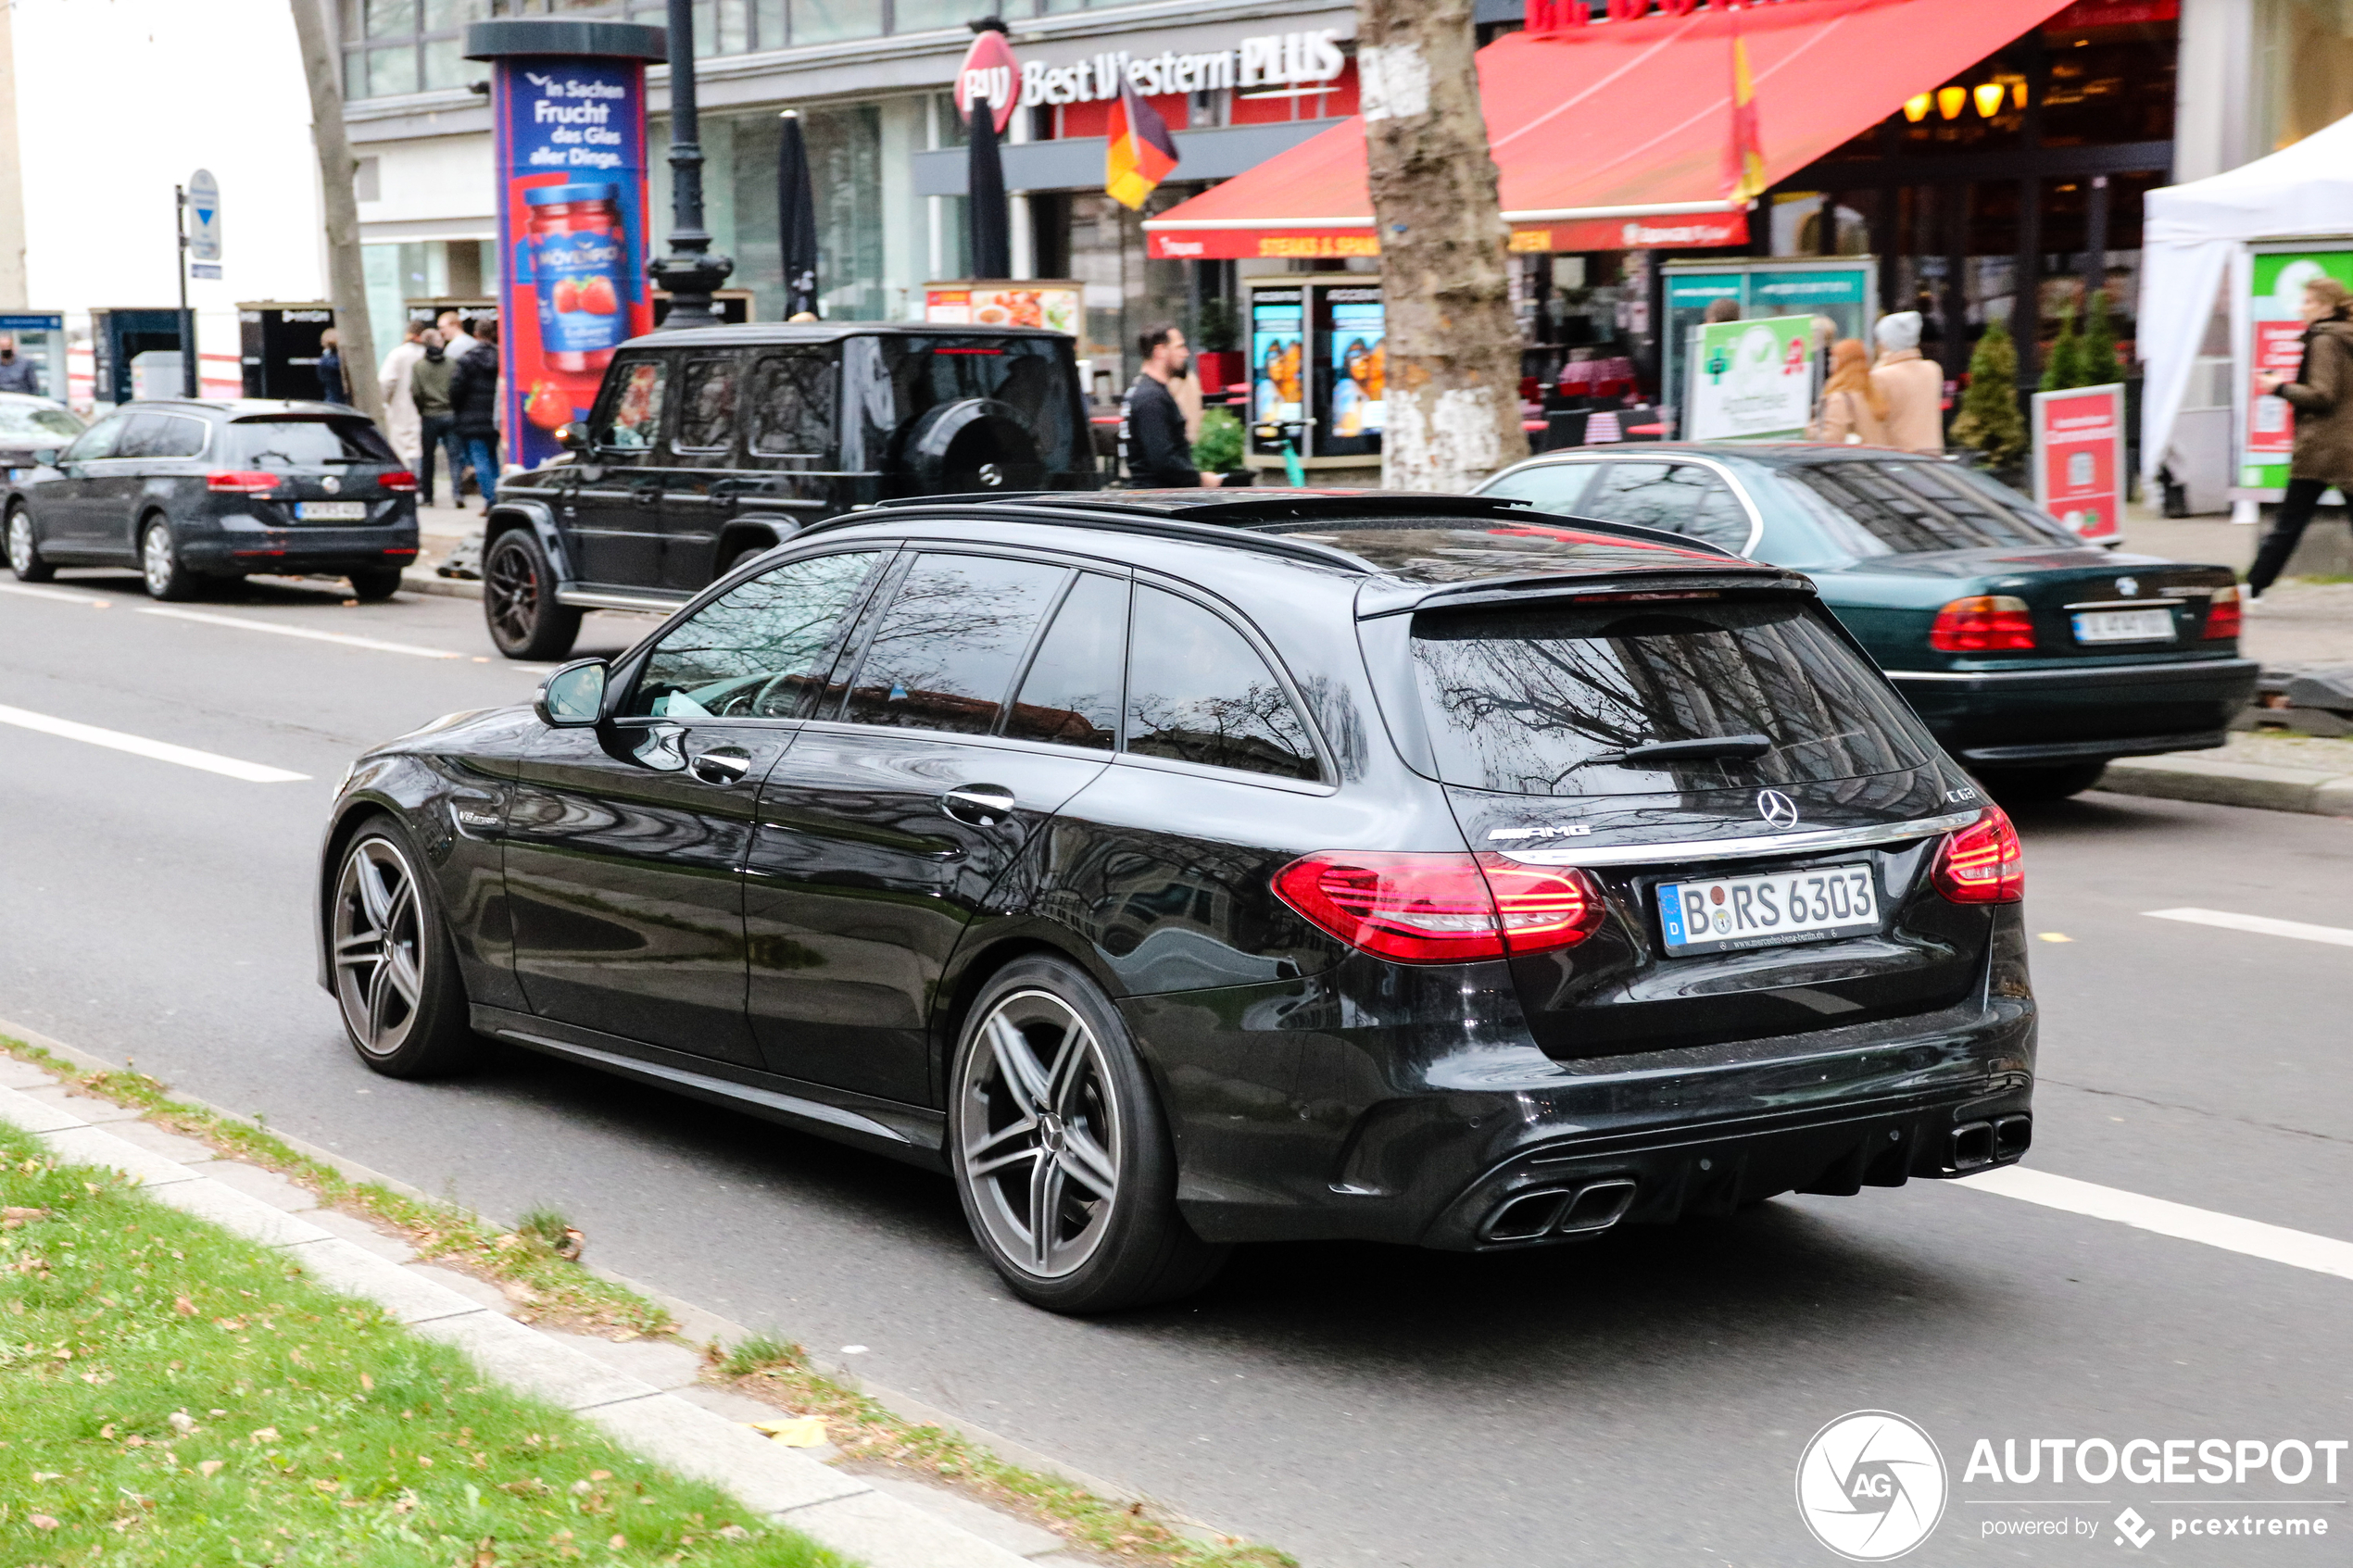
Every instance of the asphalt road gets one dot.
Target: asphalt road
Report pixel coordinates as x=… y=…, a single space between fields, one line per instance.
x=1644 y=1400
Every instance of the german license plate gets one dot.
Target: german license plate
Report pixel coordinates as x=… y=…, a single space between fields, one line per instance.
x=331 y=511
x=2125 y=626
x=1759 y=912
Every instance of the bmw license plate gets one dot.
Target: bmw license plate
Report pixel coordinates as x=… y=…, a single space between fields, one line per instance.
x=2125 y=626
x=1759 y=912
x=331 y=511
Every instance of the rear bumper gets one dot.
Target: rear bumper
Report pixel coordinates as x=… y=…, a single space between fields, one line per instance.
x=1466 y=1146
x=2019 y=717
x=308 y=548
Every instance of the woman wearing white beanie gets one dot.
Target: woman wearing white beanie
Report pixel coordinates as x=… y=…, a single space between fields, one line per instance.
x=1912 y=387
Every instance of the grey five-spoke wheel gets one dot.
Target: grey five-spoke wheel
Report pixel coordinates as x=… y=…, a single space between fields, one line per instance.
x=24 y=551
x=404 y=1008
x=1040 y=1133
x=167 y=576
x=1061 y=1152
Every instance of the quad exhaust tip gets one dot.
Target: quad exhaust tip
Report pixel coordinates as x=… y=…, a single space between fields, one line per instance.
x=1977 y=1145
x=1551 y=1211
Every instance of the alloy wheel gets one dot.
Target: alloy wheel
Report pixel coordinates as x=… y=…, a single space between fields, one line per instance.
x=511 y=584
x=1041 y=1137
x=156 y=562
x=21 y=556
x=379 y=945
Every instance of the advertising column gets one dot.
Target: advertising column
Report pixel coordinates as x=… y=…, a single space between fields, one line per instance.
x=568 y=116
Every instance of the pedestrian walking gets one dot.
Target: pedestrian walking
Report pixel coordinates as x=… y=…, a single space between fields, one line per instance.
x=456 y=340
x=402 y=421
x=17 y=375
x=473 y=406
x=436 y=428
x=1151 y=423
x=2322 y=396
x=1853 y=411
x=331 y=387
x=1911 y=389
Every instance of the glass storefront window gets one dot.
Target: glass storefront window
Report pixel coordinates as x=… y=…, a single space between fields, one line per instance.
x=2306 y=77
x=829 y=21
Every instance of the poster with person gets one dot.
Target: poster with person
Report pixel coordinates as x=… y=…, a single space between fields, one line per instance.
x=1278 y=339
x=1358 y=362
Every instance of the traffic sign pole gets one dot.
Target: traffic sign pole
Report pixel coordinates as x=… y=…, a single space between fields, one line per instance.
x=189 y=386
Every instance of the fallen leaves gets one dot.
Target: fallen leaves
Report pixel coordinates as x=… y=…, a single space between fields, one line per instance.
x=185 y=1307
x=40 y=1521
x=208 y=1467
x=798 y=1432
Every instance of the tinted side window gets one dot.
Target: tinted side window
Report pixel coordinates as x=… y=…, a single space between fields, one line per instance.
x=707 y=406
x=1550 y=488
x=1656 y=496
x=791 y=407
x=1071 y=693
x=181 y=437
x=944 y=653
x=1719 y=518
x=759 y=650
x=630 y=418
x=144 y=435
x=1199 y=693
x=98 y=440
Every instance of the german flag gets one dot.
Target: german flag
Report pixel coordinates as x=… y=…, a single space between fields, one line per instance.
x=1143 y=153
x=1746 y=152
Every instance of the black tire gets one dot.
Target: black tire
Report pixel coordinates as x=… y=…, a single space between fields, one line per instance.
x=1103 y=1122
x=518 y=599
x=376 y=584
x=166 y=575
x=24 y=550
x=2026 y=786
x=406 y=1017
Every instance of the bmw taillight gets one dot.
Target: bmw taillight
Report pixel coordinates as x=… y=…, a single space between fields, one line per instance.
x=400 y=481
x=1983 y=623
x=1983 y=863
x=2223 y=614
x=1442 y=908
x=240 y=482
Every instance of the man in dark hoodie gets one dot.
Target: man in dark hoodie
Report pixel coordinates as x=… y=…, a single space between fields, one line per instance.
x=473 y=408
x=429 y=385
x=2322 y=396
x=331 y=387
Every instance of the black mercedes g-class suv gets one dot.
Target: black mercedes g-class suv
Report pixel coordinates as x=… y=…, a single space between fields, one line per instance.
x=712 y=444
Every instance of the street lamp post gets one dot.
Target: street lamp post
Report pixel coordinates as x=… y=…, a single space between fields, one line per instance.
x=689 y=272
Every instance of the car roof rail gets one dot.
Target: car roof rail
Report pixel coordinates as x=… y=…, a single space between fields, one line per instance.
x=1210 y=514
x=1112 y=519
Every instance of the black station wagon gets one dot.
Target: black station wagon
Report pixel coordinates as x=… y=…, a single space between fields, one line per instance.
x=1177 y=869
x=710 y=444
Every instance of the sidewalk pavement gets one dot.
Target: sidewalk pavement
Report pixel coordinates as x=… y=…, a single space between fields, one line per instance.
x=648 y=1394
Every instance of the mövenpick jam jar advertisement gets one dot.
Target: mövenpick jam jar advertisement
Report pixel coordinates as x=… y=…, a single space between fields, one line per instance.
x=572 y=218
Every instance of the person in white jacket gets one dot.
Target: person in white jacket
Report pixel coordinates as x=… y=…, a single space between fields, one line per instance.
x=402 y=421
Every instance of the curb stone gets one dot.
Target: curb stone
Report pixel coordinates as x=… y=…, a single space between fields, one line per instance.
x=2190 y=777
x=840 y=1510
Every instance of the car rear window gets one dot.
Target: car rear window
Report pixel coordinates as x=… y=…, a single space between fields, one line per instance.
x=1035 y=377
x=300 y=444
x=1542 y=700
x=1881 y=508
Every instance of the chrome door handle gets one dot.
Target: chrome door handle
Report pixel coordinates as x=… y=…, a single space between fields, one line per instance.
x=722 y=765
x=983 y=805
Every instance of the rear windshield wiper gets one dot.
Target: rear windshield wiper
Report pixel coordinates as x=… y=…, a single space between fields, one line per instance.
x=1708 y=748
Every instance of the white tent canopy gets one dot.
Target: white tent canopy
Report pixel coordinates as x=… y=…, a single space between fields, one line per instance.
x=2190 y=235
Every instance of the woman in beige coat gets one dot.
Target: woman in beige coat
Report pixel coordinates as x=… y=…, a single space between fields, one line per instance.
x=1853 y=409
x=1913 y=388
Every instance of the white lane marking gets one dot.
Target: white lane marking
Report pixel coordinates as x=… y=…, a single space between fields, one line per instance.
x=2262 y=925
x=2275 y=1243
x=315 y=635
x=60 y=594
x=139 y=745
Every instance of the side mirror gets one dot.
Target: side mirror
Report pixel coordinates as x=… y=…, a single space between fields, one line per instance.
x=46 y=457
x=573 y=698
x=573 y=435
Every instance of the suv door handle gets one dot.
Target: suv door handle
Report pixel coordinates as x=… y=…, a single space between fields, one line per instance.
x=983 y=805
x=722 y=765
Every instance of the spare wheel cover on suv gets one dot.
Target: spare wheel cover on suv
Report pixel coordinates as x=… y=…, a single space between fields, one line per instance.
x=974 y=443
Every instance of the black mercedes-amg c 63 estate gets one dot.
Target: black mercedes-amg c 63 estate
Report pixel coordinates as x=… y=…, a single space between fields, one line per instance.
x=1178 y=869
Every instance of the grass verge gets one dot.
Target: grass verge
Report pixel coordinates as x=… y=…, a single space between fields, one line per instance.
x=536 y=1264
x=171 y=1393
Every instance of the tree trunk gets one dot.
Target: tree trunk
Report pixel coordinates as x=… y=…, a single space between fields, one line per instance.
x=1452 y=414
x=347 y=270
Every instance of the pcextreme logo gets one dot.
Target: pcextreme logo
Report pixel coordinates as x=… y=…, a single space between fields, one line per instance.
x=1871 y=1486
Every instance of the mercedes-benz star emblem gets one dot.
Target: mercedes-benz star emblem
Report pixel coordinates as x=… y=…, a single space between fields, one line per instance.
x=331 y=484
x=991 y=475
x=1776 y=809
x=2128 y=587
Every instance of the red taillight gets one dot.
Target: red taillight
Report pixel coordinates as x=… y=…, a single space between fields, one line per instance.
x=1986 y=624
x=2222 y=615
x=1983 y=863
x=400 y=481
x=1442 y=908
x=240 y=482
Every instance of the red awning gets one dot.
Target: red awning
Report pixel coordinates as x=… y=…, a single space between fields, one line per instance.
x=1612 y=136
